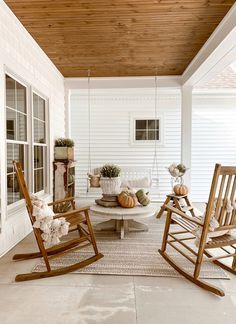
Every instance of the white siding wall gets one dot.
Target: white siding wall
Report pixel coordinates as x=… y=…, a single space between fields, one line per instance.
x=213 y=140
x=111 y=113
x=20 y=54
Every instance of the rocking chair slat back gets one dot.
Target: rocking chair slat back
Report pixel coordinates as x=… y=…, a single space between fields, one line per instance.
x=23 y=188
x=222 y=195
x=218 y=203
x=29 y=206
x=225 y=201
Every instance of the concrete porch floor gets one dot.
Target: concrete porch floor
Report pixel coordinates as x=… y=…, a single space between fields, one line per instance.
x=107 y=299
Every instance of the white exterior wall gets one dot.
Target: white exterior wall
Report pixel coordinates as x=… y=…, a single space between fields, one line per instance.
x=111 y=132
x=21 y=55
x=213 y=139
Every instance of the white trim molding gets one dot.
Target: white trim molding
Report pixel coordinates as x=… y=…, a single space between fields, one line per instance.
x=186 y=131
x=219 y=44
x=123 y=82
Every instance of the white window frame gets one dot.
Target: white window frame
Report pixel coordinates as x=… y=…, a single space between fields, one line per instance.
x=20 y=203
x=46 y=144
x=133 y=141
x=29 y=165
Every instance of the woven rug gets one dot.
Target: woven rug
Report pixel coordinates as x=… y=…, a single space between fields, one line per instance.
x=135 y=255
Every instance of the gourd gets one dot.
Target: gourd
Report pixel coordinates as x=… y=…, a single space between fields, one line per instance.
x=142 y=197
x=180 y=190
x=127 y=199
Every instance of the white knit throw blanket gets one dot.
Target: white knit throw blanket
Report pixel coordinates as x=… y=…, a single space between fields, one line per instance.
x=52 y=229
x=214 y=224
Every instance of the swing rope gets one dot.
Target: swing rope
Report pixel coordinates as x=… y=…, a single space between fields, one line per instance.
x=155 y=173
x=89 y=131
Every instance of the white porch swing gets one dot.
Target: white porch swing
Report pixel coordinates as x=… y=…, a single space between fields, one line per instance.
x=138 y=177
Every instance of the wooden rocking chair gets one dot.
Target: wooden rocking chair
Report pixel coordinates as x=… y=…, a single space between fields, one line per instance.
x=78 y=219
x=222 y=192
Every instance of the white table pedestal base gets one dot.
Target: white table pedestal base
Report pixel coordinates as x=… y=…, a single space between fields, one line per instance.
x=122 y=226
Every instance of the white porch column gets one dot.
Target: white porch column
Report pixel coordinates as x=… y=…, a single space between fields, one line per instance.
x=186 y=132
x=67 y=112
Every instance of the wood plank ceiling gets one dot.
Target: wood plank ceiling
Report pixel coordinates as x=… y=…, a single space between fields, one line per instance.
x=120 y=37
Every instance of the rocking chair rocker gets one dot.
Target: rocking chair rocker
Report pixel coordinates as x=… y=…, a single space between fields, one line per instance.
x=78 y=218
x=222 y=194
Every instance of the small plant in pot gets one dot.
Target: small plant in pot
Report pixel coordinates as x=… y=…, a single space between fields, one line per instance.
x=110 y=180
x=64 y=149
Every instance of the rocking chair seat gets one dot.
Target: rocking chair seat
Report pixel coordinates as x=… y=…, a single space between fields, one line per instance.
x=224 y=240
x=221 y=240
x=74 y=219
x=186 y=224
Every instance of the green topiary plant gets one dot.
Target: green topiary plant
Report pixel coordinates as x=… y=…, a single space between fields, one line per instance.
x=110 y=171
x=64 y=142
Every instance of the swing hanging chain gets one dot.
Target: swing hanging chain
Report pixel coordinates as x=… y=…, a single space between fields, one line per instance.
x=89 y=130
x=155 y=164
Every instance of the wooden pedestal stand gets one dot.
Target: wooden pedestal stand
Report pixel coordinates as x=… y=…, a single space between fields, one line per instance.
x=176 y=202
x=108 y=201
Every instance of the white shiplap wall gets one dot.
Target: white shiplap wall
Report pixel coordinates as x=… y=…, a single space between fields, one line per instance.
x=213 y=139
x=111 y=139
x=21 y=56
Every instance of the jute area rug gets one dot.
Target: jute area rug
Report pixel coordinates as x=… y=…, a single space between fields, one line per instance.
x=135 y=255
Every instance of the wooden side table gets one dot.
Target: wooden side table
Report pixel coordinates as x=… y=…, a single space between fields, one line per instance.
x=176 y=202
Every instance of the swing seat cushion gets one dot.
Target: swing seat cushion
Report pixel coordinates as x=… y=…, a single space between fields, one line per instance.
x=136 y=183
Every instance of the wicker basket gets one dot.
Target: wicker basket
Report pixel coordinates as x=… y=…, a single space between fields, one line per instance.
x=110 y=186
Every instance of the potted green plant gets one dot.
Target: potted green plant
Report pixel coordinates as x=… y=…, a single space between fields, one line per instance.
x=110 y=180
x=64 y=149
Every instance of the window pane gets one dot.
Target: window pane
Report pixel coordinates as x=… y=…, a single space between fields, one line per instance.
x=39 y=131
x=157 y=124
x=151 y=124
x=141 y=124
x=14 y=152
x=38 y=180
x=10 y=92
x=17 y=193
x=21 y=127
x=10 y=189
x=11 y=124
x=141 y=135
x=10 y=157
x=41 y=109
x=13 y=192
x=151 y=135
x=38 y=156
x=19 y=154
x=35 y=105
x=21 y=97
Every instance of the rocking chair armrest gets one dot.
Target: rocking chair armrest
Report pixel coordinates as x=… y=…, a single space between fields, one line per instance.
x=183 y=215
x=71 y=212
x=61 y=201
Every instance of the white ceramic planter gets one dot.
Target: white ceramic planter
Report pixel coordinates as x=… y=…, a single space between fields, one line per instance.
x=63 y=153
x=110 y=186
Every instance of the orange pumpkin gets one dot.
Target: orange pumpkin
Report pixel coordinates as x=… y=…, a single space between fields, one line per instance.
x=127 y=199
x=180 y=190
